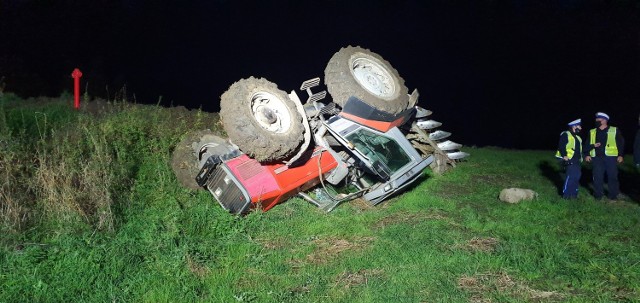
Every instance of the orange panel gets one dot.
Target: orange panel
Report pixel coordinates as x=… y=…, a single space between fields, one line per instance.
x=378 y=125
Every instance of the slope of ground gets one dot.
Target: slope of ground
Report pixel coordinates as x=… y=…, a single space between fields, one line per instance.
x=91 y=211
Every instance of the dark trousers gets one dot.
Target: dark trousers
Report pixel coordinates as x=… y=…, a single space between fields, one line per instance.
x=571 y=181
x=608 y=165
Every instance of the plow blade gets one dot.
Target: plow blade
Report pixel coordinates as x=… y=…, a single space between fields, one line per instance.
x=428 y=124
x=457 y=155
x=449 y=145
x=439 y=135
x=421 y=112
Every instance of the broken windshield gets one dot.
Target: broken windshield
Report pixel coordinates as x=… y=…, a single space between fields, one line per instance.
x=379 y=148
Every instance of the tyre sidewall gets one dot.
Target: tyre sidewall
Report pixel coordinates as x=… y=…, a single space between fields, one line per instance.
x=246 y=132
x=342 y=84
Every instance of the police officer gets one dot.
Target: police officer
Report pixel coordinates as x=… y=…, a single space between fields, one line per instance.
x=605 y=149
x=569 y=153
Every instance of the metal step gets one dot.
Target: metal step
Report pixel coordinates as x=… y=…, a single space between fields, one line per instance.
x=316 y=97
x=310 y=83
x=439 y=135
x=449 y=145
x=421 y=112
x=428 y=124
x=313 y=97
x=457 y=155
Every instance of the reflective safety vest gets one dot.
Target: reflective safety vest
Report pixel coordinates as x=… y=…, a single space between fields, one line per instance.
x=611 y=149
x=571 y=145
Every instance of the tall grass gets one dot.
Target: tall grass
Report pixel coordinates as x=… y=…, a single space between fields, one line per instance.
x=65 y=169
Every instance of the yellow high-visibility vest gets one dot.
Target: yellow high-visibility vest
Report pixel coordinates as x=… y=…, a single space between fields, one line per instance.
x=571 y=144
x=611 y=149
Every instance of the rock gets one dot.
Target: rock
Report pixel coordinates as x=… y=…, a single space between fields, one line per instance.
x=515 y=195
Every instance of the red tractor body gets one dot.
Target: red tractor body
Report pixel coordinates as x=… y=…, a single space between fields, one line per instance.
x=265 y=185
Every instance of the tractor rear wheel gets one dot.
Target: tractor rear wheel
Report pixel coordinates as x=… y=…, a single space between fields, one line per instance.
x=261 y=119
x=361 y=73
x=184 y=160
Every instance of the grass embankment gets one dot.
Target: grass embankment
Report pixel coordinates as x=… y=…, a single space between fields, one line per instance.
x=91 y=211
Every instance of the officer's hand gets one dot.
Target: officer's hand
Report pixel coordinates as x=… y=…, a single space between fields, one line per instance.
x=620 y=159
x=587 y=158
x=597 y=144
x=565 y=158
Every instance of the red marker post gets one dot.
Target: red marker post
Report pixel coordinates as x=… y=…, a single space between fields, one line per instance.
x=76 y=74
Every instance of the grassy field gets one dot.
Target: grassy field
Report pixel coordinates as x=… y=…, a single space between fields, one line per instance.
x=91 y=212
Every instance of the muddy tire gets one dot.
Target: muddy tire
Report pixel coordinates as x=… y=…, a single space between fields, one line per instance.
x=359 y=72
x=184 y=160
x=261 y=119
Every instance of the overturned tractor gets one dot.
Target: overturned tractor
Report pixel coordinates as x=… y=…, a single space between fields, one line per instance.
x=370 y=140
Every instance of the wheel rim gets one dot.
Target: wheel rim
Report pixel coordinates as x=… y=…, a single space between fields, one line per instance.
x=270 y=112
x=373 y=77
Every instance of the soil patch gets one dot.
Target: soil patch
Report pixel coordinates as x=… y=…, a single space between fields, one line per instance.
x=485 y=286
x=348 y=279
x=449 y=190
x=410 y=218
x=499 y=180
x=329 y=248
x=196 y=268
x=479 y=245
x=278 y=243
x=361 y=204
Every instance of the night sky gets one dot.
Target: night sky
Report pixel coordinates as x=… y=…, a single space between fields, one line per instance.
x=499 y=73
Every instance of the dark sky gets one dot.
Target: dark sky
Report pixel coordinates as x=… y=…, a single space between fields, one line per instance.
x=505 y=73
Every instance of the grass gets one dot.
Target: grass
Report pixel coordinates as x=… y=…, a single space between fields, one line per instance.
x=91 y=211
